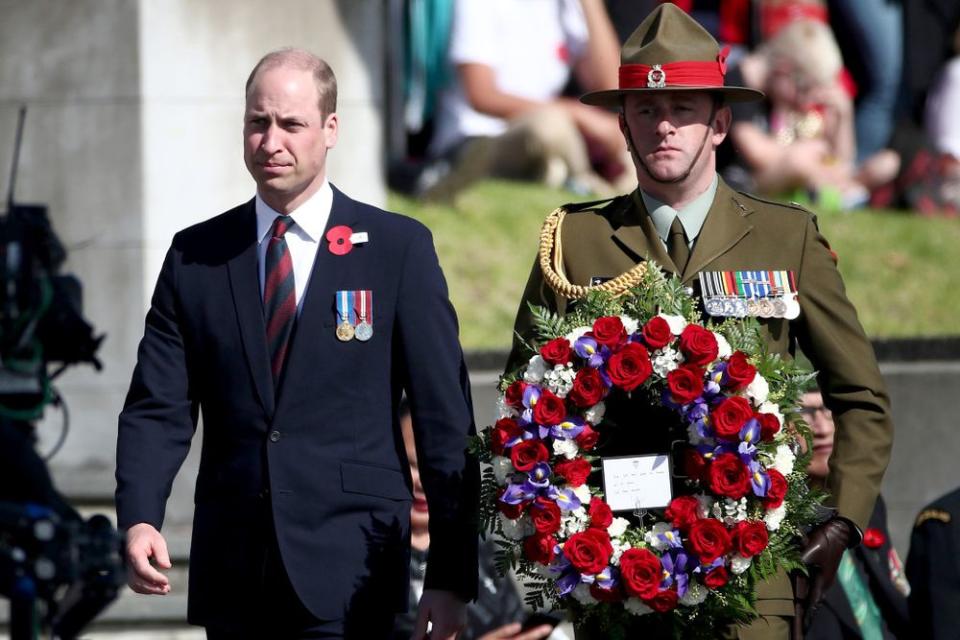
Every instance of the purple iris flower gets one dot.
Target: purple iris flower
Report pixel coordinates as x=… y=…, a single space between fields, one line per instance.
x=608 y=578
x=671 y=538
x=759 y=480
x=566 y=499
x=569 y=428
x=568 y=582
x=675 y=570
x=591 y=351
x=530 y=396
x=517 y=493
x=704 y=569
x=750 y=432
x=540 y=476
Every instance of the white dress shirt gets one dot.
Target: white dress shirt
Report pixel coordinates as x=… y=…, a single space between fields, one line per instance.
x=303 y=238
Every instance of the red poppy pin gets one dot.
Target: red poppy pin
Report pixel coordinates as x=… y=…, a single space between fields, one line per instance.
x=873 y=538
x=339 y=239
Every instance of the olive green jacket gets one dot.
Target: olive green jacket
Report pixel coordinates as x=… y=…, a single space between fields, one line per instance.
x=742 y=232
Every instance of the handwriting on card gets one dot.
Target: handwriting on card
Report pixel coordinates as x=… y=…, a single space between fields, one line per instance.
x=637 y=482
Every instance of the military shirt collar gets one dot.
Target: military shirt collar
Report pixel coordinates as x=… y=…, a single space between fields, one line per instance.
x=692 y=216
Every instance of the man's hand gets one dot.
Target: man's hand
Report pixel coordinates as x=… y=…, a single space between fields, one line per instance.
x=513 y=631
x=143 y=543
x=822 y=553
x=443 y=609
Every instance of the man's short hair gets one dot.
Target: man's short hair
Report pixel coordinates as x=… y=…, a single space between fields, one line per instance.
x=302 y=60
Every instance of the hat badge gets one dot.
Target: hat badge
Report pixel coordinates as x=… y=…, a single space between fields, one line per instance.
x=656 y=77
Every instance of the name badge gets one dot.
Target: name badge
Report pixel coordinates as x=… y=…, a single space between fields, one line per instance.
x=633 y=483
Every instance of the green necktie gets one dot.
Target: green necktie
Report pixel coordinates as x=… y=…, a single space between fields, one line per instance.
x=677 y=245
x=864 y=607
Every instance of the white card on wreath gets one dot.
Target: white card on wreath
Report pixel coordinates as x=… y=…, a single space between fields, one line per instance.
x=631 y=483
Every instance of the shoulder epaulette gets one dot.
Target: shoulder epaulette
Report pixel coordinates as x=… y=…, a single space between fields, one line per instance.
x=796 y=206
x=932 y=514
x=576 y=207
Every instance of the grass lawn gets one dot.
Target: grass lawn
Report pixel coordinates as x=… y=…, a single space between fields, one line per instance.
x=899 y=268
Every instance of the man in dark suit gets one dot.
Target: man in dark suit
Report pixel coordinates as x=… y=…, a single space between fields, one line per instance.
x=869 y=598
x=673 y=114
x=933 y=567
x=303 y=496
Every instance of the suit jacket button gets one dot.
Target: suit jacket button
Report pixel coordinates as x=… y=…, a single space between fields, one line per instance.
x=274 y=436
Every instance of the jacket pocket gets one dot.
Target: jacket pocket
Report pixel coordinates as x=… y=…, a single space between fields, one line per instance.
x=374 y=480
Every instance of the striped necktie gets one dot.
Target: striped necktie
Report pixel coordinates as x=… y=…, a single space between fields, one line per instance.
x=279 y=296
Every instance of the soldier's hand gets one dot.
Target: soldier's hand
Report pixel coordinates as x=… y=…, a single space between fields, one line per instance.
x=822 y=553
x=144 y=543
x=445 y=611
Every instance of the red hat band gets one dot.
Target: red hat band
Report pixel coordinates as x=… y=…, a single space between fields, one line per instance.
x=675 y=74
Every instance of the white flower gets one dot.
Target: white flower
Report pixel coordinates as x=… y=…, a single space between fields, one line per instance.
x=576 y=522
x=636 y=607
x=560 y=379
x=618 y=527
x=516 y=529
x=504 y=410
x=619 y=547
x=583 y=494
x=693 y=435
x=595 y=413
x=502 y=469
x=582 y=594
x=774 y=517
x=783 y=460
x=733 y=511
x=665 y=360
x=724 y=349
x=739 y=564
x=758 y=390
x=677 y=323
x=577 y=333
x=535 y=370
x=696 y=594
x=566 y=448
x=630 y=324
x=652 y=537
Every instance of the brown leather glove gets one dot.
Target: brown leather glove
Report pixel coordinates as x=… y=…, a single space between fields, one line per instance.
x=822 y=551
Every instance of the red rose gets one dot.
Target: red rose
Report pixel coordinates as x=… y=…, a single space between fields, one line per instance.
x=600 y=514
x=656 y=333
x=513 y=396
x=750 y=537
x=588 y=388
x=549 y=409
x=588 y=438
x=629 y=367
x=608 y=331
x=664 y=601
x=769 y=426
x=589 y=551
x=641 y=573
x=540 y=548
x=606 y=595
x=694 y=464
x=511 y=511
x=505 y=430
x=685 y=384
x=557 y=351
x=740 y=372
x=777 y=490
x=545 y=515
x=873 y=538
x=729 y=476
x=729 y=416
x=575 y=471
x=525 y=455
x=698 y=345
x=683 y=511
x=709 y=539
x=716 y=578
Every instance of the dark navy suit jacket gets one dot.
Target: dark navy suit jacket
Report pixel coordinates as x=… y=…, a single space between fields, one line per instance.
x=323 y=452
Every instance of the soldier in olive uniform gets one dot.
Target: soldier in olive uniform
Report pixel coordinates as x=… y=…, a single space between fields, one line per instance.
x=933 y=568
x=673 y=114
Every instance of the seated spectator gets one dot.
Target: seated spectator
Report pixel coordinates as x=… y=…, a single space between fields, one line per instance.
x=803 y=136
x=498 y=613
x=943 y=129
x=933 y=566
x=869 y=598
x=503 y=113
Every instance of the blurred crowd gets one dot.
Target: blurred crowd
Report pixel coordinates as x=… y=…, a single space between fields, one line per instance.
x=859 y=97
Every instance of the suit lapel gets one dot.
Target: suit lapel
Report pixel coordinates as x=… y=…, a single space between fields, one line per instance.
x=245 y=289
x=318 y=299
x=637 y=235
x=726 y=224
